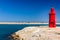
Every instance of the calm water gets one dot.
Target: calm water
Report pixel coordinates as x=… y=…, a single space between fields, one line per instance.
x=7 y=29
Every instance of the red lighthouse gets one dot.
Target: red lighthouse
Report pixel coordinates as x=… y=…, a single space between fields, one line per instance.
x=52 y=21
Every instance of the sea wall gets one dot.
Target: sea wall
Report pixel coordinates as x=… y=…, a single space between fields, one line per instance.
x=36 y=33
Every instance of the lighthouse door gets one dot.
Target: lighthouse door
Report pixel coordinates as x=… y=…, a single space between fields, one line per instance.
x=52 y=24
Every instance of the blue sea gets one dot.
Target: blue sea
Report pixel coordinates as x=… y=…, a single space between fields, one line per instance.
x=7 y=29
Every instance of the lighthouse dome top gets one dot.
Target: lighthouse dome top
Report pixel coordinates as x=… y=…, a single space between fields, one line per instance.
x=52 y=11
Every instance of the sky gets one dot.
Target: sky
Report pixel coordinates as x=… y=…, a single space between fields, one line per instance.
x=28 y=10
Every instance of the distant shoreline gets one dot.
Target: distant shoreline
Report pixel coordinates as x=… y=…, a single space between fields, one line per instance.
x=24 y=23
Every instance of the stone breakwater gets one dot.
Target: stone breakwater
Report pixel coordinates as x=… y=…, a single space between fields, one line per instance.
x=36 y=33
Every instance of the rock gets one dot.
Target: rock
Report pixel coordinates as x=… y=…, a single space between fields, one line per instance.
x=36 y=33
x=14 y=37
